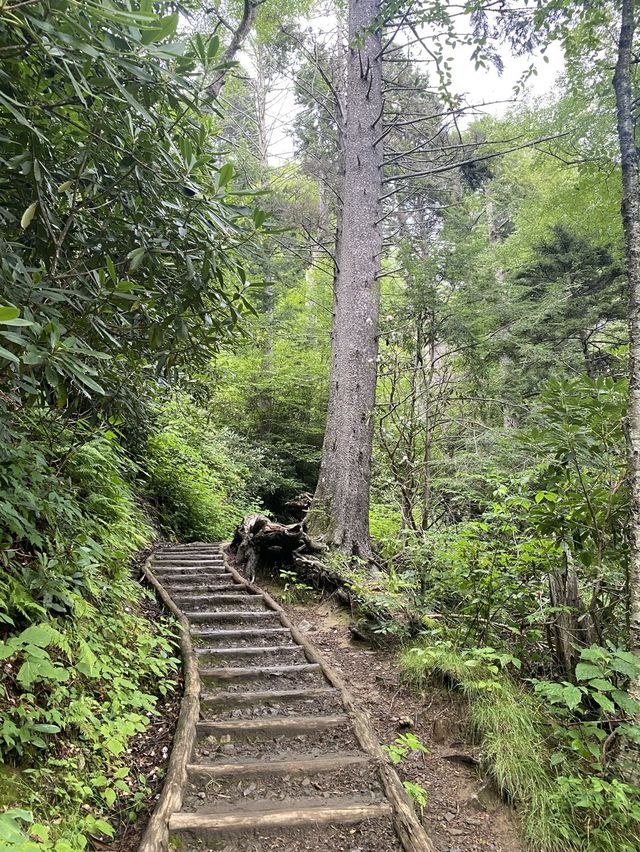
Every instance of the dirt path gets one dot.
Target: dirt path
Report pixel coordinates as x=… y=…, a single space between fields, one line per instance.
x=276 y=755
x=462 y=813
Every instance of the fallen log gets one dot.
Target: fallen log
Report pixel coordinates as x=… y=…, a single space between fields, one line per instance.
x=260 y=544
x=299 y=505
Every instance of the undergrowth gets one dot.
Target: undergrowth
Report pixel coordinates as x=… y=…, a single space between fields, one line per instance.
x=74 y=687
x=539 y=758
x=198 y=476
x=81 y=667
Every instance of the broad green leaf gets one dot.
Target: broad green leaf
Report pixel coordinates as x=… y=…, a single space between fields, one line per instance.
x=585 y=671
x=109 y=795
x=166 y=28
x=626 y=702
x=601 y=684
x=212 y=47
x=8 y=313
x=136 y=256
x=34 y=670
x=572 y=696
x=38 y=634
x=606 y=703
x=225 y=174
x=259 y=217
x=8 y=356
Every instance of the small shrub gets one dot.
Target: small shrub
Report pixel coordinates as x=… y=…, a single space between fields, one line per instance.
x=294 y=590
x=197 y=477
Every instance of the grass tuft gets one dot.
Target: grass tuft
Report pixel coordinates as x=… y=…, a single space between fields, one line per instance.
x=510 y=728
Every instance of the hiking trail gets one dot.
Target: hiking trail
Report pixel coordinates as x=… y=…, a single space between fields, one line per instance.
x=270 y=751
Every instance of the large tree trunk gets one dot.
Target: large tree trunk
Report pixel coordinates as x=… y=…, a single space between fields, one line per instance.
x=631 y=225
x=341 y=505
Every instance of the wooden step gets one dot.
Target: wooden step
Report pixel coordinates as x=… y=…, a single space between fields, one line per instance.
x=296 y=766
x=272 y=725
x=231 y=672
x=188 y=569
x=172 y=554
x=240 y=633
x=216 y=598
x=189 y=563
x=190 y=548
x=202 y=581
x=325 y=811
x=173 y=575
x=201 y=589
x=230 y=615
x=258 y=696
x=246 y=650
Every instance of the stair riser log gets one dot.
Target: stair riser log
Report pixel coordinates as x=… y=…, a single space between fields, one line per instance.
x=277 y=754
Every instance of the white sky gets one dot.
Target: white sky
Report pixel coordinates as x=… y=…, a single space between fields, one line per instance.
x=482 y=86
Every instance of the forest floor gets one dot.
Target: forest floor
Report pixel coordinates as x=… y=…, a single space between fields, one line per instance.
x=463 y=812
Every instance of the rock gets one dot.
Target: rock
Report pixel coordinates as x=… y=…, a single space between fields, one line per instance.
x=439 y=732
x=460 y=757
x=305 y=626
x=405 y=722
x=484 y=799
x=228 y=748
x=449 y=816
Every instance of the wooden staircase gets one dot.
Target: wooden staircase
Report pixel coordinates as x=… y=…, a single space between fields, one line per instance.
x=270 y=752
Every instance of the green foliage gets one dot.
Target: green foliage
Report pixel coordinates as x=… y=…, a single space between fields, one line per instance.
x=272 y=389
x=199 y=476
x=583 y=502
x=403 y=746
x=385 y=525
x=418 y=794
x=487 y=576
x=70 y=609
x=595 y=710
x=293 y=589
x=529 y=746
x=118 y=230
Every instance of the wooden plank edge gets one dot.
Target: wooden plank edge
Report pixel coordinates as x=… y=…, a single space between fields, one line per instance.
x=272 y=723
x=229 y=672
x=256 y=696
x=294 y=766
x=408 y=827
x=245 y=650
x=156 y=835
x=279 y=818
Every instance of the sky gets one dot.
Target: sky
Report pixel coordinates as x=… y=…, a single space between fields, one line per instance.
x=482 y=86
x=489 y=85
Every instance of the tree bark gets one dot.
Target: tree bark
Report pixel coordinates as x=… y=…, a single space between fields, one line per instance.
x=340 y=509
x=631 y=224
x=238 y=36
